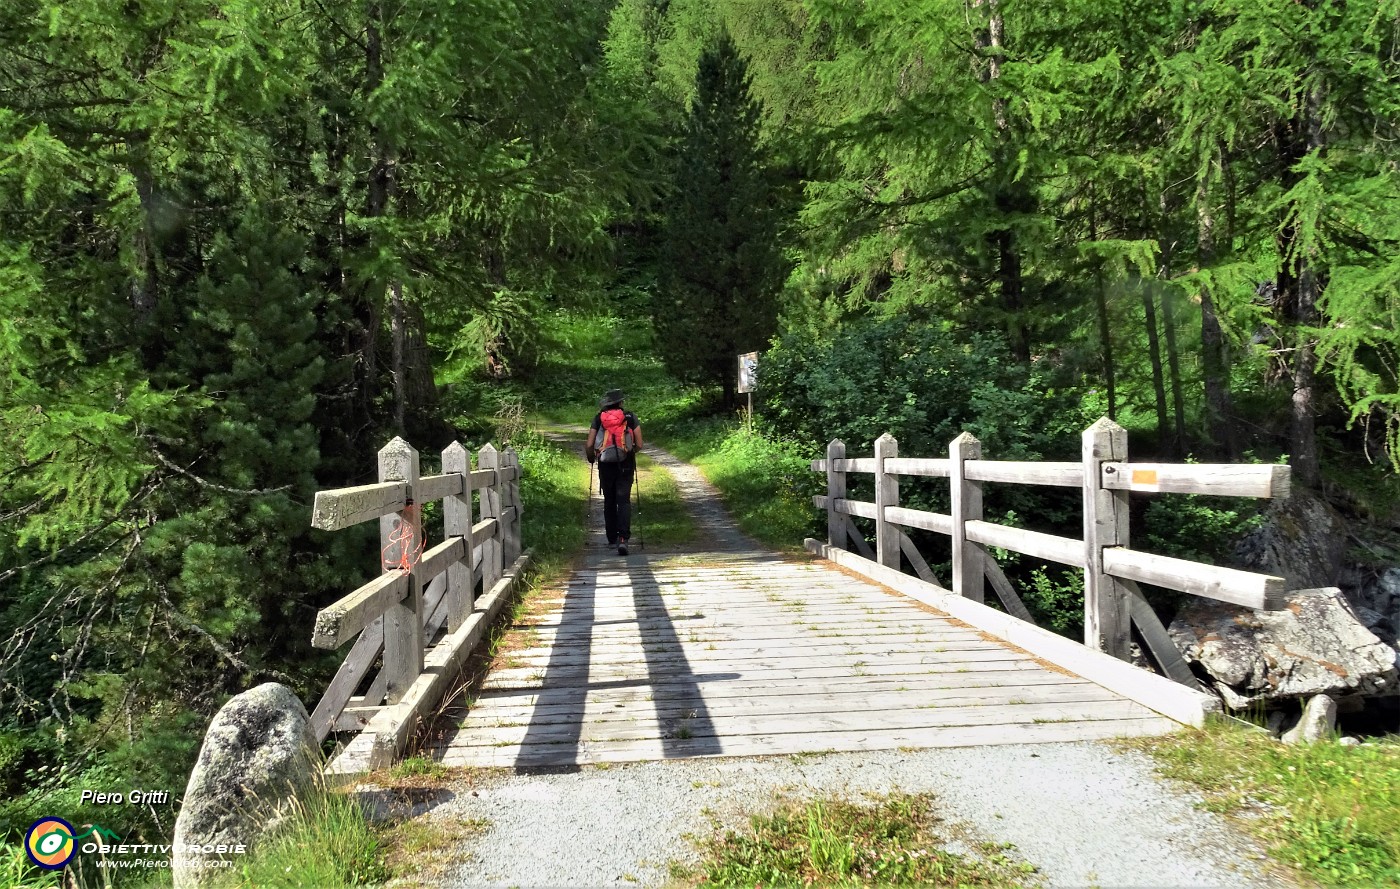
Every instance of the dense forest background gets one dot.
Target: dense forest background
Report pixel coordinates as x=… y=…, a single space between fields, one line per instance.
x=243 y=243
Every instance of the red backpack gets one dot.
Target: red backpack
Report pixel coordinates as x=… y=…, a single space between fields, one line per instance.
x=614 y=440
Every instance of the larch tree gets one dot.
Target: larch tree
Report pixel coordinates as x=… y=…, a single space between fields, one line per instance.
x=722 y=266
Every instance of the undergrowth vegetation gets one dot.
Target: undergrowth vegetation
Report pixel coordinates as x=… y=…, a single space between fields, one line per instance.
x=1327 y=810
x=887 y=842
x=326 y=841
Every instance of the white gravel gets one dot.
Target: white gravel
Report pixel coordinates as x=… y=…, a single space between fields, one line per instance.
x=1084 y=814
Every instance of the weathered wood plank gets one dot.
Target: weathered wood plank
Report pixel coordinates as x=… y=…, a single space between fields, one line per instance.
x=483 y=478
x=1263 y=591
x=344 y=507
x=1155 y=692
x=1216 y=479
x=928 y=468
x=1107 y=623
x=338 y=623
x=403 y=618
x=737 y=654
x=1031 y=543
x=457 y=522
x=780 y=744
x=835 y=490
x=1062 y=475
x=736 y=725
x=436 y=560
x=918 y=518
x=776 y=703
x=436 y=487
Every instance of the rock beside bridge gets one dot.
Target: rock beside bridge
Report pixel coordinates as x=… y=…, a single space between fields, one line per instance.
x=259 y=753
x=1313 y=646
x=1303 y=540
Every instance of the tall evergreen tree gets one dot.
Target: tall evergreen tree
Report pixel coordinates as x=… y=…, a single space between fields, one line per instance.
x=722 y=266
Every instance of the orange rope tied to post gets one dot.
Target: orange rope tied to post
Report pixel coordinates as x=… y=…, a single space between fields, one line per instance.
x=406 y=540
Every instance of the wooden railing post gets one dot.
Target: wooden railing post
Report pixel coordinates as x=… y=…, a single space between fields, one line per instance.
x=511 y=546
x=1107 y=612
x=886 y=494
x=835 y=490
x=968 y=570
x=403 y=621
x=457 y=522
x=492 y=552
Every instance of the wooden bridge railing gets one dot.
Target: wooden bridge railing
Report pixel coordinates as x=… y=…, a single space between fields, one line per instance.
x=422 y=592
x=1113 y=603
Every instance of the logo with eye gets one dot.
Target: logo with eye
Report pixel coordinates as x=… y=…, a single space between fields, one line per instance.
x=50 y=843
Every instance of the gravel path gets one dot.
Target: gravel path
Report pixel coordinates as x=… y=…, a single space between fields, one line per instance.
x=1084 y=814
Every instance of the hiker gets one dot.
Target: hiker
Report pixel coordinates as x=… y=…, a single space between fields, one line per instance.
x=614 y=438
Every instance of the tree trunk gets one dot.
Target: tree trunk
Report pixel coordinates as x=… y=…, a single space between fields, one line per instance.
x=1299 y=289
x=398 y=334
x=1178 y=442
x=1154 y=352
x=1105 y=330
x=1214 y=360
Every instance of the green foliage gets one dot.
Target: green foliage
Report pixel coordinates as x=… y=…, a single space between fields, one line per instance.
x=1055 y=599
x=1191 y=526
x=891 y=841
x=1327 y=809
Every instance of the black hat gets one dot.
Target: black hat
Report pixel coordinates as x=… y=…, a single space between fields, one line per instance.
x=614 y=397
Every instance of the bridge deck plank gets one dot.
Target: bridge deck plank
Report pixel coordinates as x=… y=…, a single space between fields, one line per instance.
x=656 y=658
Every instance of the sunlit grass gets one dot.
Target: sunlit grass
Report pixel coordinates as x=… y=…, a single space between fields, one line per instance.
x=1332 y=812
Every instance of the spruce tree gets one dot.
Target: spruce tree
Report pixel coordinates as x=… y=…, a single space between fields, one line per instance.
x=722 y=268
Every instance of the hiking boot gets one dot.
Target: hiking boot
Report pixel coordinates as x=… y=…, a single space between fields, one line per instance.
x=622 y=547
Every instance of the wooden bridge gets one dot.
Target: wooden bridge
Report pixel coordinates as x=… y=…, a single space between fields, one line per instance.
x=733 y=651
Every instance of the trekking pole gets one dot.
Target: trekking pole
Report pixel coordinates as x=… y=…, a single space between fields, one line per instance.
x=637 y=483
x=588 y=504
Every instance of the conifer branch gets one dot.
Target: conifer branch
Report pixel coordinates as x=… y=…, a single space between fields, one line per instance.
x=168 y=464
x=214 y=643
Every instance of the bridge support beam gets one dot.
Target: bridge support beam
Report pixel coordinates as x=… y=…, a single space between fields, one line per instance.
x=886 y=495
x=969 y=572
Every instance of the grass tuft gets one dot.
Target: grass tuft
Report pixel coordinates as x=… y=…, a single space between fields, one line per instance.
x=836 y=843
x=326 y=841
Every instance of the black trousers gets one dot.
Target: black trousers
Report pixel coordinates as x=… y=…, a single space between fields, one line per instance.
x=616 y=481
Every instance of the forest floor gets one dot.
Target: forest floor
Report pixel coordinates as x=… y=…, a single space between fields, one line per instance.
x=1079 y=814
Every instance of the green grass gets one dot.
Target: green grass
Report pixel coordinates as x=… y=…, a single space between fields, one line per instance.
x=1331 y=812
x=16 y=871
x=327 y=842
x=891 y=841
x=662 y=519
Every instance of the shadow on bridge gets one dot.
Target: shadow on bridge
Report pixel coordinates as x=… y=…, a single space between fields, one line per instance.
x=581 y=662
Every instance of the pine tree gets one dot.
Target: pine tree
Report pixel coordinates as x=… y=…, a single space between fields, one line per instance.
x=722 y=267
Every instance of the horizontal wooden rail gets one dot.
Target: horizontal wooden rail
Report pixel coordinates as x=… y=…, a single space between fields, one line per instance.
x=485 y=528
x=927 y=467
x=436 y=560
x=344 y=507
x=1064 y=475
x=338 y=623
x=1222 y=480
x=435 y=487
x=1225 y=584
x=861 y=509
x=936 y=522
x=1030 y=543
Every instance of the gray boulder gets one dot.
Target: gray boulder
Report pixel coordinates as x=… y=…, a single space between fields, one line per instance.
x=1303 y=540
x=1319 y=718
x=259 y=753
x=1377 y=600
x=1313 y=646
